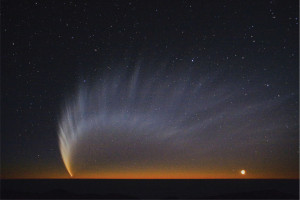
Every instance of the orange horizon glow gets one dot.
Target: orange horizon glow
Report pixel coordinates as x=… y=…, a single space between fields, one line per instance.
x=45 y=171
x=99 y=178
x=149 y=175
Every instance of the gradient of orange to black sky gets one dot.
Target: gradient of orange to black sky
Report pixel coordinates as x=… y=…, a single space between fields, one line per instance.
x=150 y=89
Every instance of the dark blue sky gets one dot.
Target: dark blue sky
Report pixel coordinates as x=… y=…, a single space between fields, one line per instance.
x=244 y=53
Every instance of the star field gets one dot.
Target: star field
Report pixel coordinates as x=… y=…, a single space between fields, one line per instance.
x=228 y=68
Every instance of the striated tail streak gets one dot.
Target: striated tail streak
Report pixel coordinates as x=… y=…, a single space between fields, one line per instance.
x=67 y=136
x=65 y=149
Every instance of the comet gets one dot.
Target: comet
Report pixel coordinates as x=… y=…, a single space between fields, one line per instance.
x=147 y=120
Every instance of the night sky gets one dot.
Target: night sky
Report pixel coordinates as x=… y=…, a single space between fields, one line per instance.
x=150 y=89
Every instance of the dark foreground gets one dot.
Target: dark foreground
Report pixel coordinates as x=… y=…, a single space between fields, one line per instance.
x=155 y=189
